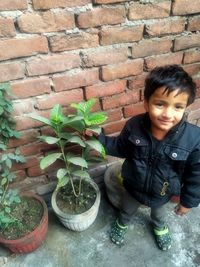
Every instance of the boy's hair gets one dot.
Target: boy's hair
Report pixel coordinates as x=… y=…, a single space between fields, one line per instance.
x=172 y=77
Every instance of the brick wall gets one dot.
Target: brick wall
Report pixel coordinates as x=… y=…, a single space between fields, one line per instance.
x=63 y=51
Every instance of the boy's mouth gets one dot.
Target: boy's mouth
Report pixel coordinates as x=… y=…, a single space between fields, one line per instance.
x=163 y=121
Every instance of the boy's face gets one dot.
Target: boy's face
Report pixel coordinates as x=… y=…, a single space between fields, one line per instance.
x=165 y=111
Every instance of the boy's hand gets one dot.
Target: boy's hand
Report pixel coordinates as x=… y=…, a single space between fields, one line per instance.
x=90 y=133
x=181 y=210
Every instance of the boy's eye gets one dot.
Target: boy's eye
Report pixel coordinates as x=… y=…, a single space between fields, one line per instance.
x=159 y=104
x=179 y=107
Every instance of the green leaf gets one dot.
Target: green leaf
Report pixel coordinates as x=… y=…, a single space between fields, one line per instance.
x=76 y=140
x=4 y=181
x=96 y=118
x=96 y=145
x=1 y=110
x=74 y=122
x=7 y=209
x=48 y=160
x=84 y=106
x=40 y=118
x=49 y=139
x=77 y=125
x=62 y=182
x=61 y=173
x=56 y=114
x=82 y=174
x=9 y=163
x=65 y=136
x=77 y=161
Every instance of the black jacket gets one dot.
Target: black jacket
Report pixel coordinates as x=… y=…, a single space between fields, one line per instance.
x=153 y=170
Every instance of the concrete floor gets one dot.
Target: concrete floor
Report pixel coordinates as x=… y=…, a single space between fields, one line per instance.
x=92 y=247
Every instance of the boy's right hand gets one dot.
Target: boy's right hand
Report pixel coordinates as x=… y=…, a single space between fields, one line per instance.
x=90 y=133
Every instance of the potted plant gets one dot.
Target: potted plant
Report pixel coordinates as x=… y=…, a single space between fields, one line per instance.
x=76 y=198
x=23 y=217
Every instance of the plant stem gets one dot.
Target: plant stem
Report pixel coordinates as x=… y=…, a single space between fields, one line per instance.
x=66 y=162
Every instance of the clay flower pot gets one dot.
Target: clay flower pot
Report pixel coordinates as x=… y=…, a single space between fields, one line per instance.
x=33 y=240
x=78 y=222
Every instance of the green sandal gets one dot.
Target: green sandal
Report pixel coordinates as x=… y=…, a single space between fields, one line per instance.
x=118 y=232
x=163 y=238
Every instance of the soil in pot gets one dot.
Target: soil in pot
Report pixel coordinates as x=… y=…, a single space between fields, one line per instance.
x=69 y=203
x=29 y=213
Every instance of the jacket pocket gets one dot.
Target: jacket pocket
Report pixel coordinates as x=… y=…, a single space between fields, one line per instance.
x=176 y=154
x=139 y=147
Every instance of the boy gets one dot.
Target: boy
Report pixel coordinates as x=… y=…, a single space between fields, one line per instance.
x=161 y=151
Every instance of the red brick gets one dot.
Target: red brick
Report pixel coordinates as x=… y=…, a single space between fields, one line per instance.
x=191 y=56
x=194 y=111
x=137 y=82
x=108 y=1
x=46 y=4
x=35 y=171
x=149 y=11
x=121 y=100
x=114 y=115
x=26 y=138
x=192 y=69
x=63 y=98
x=101 y=16
x=25 y=122
x=194 y=24
x=13 y=4
x=121 y=70
x=30 y=161
x=52 y=64
x=188 y=41
x=62 y=42
x=151 y=47
x=185 y=7
x=11 y=71
x=105 y=56
x=194 y=106
x=32 y=87
x=46 y=22
x=20 y=176
x=105 y=89
x=23 y=107
x=133 y=110
x=114 y=127
x=23 y=47
x=7 y=28
x=70 y=81
x=33 y=148
x=166 y=26
x=161 y=60
x=197 y=81
x=121 y=35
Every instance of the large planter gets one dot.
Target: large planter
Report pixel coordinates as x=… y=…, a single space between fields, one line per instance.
x=33 y=240
x=78 y=222
x=114 y=188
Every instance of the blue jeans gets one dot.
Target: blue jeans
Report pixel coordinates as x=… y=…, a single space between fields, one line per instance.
x=130 y=206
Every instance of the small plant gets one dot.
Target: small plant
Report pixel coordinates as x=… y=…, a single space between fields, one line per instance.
x=74 y=165
x=8 y=196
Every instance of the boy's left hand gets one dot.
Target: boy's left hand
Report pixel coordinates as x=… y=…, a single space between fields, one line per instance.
x=181 y=210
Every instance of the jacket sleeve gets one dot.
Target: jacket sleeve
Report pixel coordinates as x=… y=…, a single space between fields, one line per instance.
x=117 y=146
x=190 y=192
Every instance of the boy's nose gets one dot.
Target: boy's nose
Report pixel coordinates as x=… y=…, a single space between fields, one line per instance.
x=168 y=113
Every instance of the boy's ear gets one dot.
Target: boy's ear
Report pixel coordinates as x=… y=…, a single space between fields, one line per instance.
x=146 y=105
